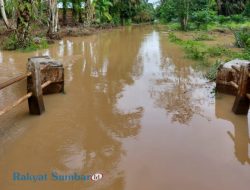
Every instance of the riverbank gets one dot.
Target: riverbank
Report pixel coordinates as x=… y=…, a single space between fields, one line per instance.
x=65 y=31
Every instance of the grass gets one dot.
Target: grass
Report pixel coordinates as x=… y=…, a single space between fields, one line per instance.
x=11 y=44
x=199 y=51
x=203 y=37
x=212 y=72
x=43 y=44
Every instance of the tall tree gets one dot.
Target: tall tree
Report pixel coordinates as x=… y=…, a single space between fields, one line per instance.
x=183 y=11
x=65 y=8
x=25 y=12
x=3 y=13
x=89 y=12
x=53 y=18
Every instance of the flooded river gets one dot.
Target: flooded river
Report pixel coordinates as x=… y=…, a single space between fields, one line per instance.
x=135 y=110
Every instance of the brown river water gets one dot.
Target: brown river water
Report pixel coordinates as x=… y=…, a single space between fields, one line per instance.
x=135 y=110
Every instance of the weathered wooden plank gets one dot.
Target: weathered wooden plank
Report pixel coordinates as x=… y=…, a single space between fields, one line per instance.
x=46 y=84
x=14 y=80
x=19 y=101
x=229 y=72
x=36 y=104
x=241 y=103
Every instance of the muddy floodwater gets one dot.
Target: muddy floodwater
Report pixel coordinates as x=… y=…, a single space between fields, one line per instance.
x=134 y=109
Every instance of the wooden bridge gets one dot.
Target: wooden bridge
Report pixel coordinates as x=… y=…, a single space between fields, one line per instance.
x=234 y=78
x=44 y=76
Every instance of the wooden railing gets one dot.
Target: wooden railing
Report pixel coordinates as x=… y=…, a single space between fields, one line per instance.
x=40 y=69
x=34 y=87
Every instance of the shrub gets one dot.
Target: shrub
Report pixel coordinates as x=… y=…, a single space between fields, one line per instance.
x=202 y=18
x=167 y=11
x=222 y=19
x=238 y=18
x=10 y=43
x=217 y=51
x=242 y=38
x=247 y=10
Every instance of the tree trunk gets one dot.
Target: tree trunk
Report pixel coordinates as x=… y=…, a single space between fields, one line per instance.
x=88 y=12
x=184 y=16
x=3 y=13
x=53 y=19
x=23 y=24
x=219 y=4
x=74 y=11
x=80 y=20
x=65 y=8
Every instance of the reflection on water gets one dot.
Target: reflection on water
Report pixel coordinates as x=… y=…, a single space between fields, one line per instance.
x=129 y=95
x=240 y=136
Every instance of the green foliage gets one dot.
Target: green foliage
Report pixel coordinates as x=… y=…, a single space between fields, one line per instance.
x=202 y=18
x=167 y=11
x=217 y=51
x=222 y=19
x=247 y=10
x=11 y=43
x=238 y=18
x=144 y=13
x=116 y=20
x=199 y=51
x=102 y=10
x=231 y=7
x=242 y=38
x=173 y=38
x=43 y=44
x=212 y=72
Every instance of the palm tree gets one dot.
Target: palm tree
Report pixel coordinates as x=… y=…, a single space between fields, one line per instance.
x=102 y=9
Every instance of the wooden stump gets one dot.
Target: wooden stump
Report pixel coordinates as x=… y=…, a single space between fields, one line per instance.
x=44 y=70
x=53 y=72
x=228 y=76
x=241 y=104
x=36 y=104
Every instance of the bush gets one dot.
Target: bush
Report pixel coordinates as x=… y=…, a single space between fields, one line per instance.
x=222 y=19
x=242 y=38
x=167 y=11
x=11 y=43
x=238 y=18
x=217 y=51
x=116 y=20
x=247 y=10
x=202 y=18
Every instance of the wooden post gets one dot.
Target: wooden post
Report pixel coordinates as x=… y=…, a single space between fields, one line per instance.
x=241 y=103
x=36 y=104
